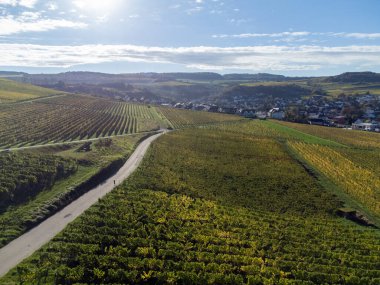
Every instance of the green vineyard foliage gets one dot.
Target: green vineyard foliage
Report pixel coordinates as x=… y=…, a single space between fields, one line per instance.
x=186 y=118
x=72 y=117
x=212 y=206
x=23 y=176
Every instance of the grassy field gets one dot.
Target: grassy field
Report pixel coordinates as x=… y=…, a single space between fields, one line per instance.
x=223 y=204
x=12 y=91
x=335 y=89
x=17 y=218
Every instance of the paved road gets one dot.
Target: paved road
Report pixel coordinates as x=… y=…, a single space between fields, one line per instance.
x=73 y=142
x=24 y=246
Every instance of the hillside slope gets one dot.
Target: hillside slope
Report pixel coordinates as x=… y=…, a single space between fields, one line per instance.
x=12 y=91
x=223 y=205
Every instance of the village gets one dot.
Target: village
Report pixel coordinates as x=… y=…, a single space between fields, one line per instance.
x=360 y=112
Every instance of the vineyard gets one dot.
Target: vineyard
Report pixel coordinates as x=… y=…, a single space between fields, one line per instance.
x=358 y=182
x=186 y=118
x=43 y=180
x=347 y=137
x=269 y=129
x=72 y=117
x=212 y=206
x=24 y=176
x=246 y=171
x=11 y=91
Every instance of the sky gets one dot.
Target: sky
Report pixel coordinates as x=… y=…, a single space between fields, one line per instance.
x=290 y=37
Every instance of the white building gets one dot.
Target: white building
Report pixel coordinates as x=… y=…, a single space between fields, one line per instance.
x=275 y=113
x=360 y=125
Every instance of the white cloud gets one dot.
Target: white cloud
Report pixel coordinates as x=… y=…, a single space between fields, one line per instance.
x=52 y=6
x=362 y=35
x=253 y=58
x=25 y=3
x=9 y=2
x=28 y=3
x=33 y=22
x=194 y=10
x=300 y=34
x=257 y=35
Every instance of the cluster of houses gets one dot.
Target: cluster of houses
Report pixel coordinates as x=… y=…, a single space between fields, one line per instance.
x=361 y=112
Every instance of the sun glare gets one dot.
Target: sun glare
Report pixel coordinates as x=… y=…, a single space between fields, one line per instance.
x=97 y=6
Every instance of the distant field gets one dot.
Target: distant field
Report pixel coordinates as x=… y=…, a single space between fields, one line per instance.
x=335 y=89
x=73 y=117
x=212 y=206
x=186 y=118
x=268 y=83
x=270 y=129
x=332 y=89
x=11 y=91
x=343 y=136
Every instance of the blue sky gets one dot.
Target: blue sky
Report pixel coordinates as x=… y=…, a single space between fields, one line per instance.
x=291 y=37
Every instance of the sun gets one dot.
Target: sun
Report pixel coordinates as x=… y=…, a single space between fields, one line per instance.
x=97 y=6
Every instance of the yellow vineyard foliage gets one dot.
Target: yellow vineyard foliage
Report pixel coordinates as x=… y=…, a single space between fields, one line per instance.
x=361 y=183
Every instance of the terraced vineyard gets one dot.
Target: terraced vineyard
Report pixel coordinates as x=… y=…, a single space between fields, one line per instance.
x=72 y=117
x=213 y=206
x=186 y=118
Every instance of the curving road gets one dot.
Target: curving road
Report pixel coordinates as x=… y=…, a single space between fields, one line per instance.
x=72 y=142
x=24 y=246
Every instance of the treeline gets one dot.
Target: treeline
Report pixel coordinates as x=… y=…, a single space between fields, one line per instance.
x=24 y=175
x=289 y=91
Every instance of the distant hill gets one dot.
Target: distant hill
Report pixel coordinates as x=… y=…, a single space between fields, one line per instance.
x=142 y=78
x=12 y=91
x=196 y=76
x=104 y=78
x=261 y=91
x=255 y=77
x=11 y=73
x=198 y=86
x=355 y=77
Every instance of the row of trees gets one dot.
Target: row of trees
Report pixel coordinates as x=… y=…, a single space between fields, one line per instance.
x=23 y=176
